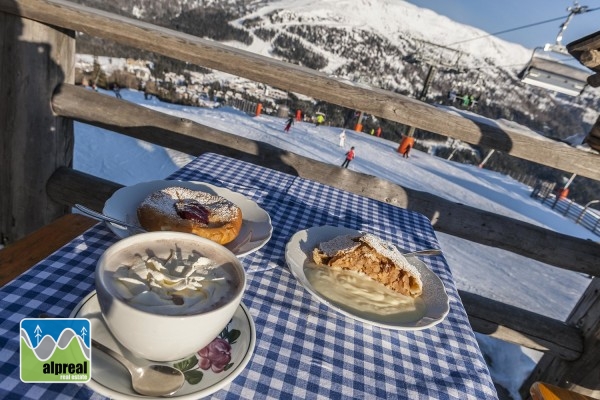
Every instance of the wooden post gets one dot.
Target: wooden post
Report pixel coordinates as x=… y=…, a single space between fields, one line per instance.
x=593 y=137
x=34 y=142
x=582 y=375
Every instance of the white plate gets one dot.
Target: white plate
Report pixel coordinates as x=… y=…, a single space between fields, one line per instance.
x=298 y=254
x=111 y=379
x=256 y=225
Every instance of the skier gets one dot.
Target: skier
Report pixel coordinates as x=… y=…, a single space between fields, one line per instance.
x=289 y=124
x=466 y=100
x=349 y=157
x=452 y=96
x=342 y=138
x=320 y=119
x=117 y=91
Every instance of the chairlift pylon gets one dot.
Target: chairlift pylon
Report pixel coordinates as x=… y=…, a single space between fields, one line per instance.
x=546 y=71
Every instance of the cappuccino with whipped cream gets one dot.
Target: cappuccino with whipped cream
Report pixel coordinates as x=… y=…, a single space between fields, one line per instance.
x=175 y=283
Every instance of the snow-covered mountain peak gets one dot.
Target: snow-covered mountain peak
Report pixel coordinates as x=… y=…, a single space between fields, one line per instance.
x=392 y=20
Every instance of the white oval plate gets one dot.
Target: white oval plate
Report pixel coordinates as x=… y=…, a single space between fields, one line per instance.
x=256 y=225
x=111 y=379
x=299 y=250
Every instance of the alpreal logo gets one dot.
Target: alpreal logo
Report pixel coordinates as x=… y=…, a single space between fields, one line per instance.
x=55 y=350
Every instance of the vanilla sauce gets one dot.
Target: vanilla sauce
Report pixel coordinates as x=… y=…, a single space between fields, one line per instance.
x=362 y=296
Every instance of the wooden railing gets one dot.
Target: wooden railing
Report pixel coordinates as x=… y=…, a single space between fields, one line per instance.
x=38 y=134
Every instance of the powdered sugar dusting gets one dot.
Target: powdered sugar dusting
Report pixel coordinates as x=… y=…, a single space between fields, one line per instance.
x=347 y=243
x=391 y=252
x=164 y=200
x=343 y=243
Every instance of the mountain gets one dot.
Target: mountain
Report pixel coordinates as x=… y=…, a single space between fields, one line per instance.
x=384 y=43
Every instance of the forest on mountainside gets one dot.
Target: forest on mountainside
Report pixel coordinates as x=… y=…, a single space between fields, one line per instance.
x=371 y=59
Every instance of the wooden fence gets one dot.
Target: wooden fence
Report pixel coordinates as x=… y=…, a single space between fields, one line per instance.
x=37 y=43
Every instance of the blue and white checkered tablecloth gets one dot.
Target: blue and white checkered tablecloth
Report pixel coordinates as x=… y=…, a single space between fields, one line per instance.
x=304 y=349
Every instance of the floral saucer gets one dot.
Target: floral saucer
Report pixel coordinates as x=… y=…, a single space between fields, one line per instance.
x=207 y=371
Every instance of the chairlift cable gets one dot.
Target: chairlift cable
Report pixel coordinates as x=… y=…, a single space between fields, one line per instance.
x=517 y=28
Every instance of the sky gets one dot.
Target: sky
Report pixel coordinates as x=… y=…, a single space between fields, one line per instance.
x=479 y=269
x=495 y=16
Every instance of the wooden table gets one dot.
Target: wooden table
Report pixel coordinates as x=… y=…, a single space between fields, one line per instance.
x=23 y=254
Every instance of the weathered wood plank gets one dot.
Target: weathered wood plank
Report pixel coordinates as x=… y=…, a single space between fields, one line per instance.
x=446 y=216
x=522 y=327
x=69 y=187
x=33 y=141
x=384 y=104
x=581 y=375
x=584 y=47
x=21 y=255
x=590 y=58
x=593 y=137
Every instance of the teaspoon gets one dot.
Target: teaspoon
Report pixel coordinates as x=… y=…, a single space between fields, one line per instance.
x=102 y=217
x=151 y=380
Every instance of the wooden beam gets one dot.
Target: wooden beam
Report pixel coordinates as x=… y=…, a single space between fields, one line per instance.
x=21 y=255
x=69 y=187
x=584 y=48
x=583 y=374
x=522 y=327
x=455 y=219
x=33 y=142
x=385 y=104
x=590 y=58
x=593 y=137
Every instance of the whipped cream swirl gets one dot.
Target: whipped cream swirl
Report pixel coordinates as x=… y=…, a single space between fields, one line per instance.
x=172 y=286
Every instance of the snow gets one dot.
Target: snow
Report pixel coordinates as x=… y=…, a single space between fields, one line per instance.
x=392 y=19
x=483 y=270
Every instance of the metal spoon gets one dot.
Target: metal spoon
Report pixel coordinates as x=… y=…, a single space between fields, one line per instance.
x=118 y=223
x=427 y=252
x=151 y=380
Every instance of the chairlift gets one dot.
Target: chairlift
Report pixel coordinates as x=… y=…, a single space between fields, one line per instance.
x=547 y=71
x=438 y=55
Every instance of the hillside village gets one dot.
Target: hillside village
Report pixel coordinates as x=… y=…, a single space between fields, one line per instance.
x=191 y=88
